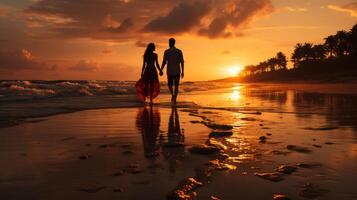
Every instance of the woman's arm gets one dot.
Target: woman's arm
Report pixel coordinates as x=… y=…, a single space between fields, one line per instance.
x=143 y=68
x=157 y=63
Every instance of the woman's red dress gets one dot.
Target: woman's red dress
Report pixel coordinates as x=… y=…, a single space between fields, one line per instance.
x=149 y=80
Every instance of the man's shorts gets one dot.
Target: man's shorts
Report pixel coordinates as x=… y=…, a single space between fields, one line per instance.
x=173 y=79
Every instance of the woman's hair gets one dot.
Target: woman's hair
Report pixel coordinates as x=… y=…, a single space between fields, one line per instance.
x=149 y=51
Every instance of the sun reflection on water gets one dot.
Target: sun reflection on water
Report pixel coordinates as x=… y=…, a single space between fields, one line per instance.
x=236 y=95
x=242 y=158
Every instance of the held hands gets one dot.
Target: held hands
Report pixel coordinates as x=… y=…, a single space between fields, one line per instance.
x=161 y=73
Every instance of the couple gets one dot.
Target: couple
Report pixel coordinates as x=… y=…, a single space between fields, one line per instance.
x=173 y=57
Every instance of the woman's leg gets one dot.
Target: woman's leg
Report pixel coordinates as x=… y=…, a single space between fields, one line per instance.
x=151 y=91
x=145 y=90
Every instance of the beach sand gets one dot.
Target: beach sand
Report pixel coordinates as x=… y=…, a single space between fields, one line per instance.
x=235 y=143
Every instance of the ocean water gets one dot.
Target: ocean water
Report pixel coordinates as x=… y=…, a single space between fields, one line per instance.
x=27 y=90
x=20 y=100
x=40 y=150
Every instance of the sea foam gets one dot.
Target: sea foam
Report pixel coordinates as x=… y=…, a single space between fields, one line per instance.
x=22 y=90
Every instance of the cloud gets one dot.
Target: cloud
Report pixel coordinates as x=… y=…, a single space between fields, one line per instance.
x=235 y=15
x=349 y=8
x=114 y=19
x=78 y=19
x=281 y=28
x=124 y=26
x=2 y=12
x=84 y=66
x=140 y=44
x=181 y=19
x=220 y=16
x=295 y=9
x=226 y=52
x=7 y=11
x=22 y=60
x=217 y=28
x=107 y=51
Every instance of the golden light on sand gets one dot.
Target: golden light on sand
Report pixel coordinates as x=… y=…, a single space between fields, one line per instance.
x=235 y=70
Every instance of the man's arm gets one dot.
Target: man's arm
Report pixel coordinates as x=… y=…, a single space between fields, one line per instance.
x=164 y=61
x=182 y=65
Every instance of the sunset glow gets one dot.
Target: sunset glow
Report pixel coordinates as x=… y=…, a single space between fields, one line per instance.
x=178 y=99
x=106 y=40
x=235 y=70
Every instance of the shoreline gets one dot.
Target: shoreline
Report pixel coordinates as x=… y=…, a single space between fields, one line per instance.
x=56 y=106
x=325 y=88
x=41 y=108
x=233 y=80
x=52 y=107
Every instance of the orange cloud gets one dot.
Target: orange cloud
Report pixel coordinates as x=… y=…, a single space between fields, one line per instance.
x=349 y=8
x=22 y=60
x=124 y=26
x=295 y=9
x=226 y=52
x=234 y=14
x=84 y=66
x=123 y=20
x=107 y=51
x=140 y=43
x=182 y=18
x=6 y=10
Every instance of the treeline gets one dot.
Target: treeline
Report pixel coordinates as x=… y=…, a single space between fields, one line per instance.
x=337 y=56
x=279 y=62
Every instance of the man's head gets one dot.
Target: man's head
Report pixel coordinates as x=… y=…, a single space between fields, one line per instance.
x=172 y=42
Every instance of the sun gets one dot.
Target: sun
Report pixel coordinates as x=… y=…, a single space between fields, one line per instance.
x=235 y=70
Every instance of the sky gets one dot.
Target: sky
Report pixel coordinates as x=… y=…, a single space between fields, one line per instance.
x=106 y=39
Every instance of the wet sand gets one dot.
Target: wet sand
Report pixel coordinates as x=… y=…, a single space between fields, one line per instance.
x=263 y=143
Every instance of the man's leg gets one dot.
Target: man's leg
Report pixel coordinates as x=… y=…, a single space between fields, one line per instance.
x=170 y=84
x=177 y=83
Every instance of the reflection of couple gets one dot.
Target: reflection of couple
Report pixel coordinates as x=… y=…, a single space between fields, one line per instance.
x=173 y=57
x=174 y=149
x=148 y=122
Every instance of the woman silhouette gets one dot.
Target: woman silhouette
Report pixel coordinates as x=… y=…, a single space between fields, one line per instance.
x=149 y=73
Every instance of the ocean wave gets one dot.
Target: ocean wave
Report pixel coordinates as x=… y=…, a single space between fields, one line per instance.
x=22 y=90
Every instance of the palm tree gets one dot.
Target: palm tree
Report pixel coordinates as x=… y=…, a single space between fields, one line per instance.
x=248 y=70
x=340 y=44
x=281 y=60
x=271 y=63
x=343 y=45
x=297 y=55
x=307 y=51
x=303 y=52
x=353 y=33
x=330 y=45
x=319 y=52
x=262 y=67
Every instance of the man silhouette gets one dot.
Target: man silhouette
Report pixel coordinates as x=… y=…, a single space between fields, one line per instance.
x=173 y=57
